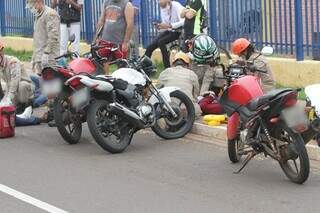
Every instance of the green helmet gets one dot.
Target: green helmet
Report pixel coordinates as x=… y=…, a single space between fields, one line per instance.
x=205 y=50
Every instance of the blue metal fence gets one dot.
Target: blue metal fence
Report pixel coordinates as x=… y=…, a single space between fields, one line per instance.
x=292 y=27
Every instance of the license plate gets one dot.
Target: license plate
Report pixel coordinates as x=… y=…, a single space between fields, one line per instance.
x=80 y=98
x=52 y=88
x=295 y=116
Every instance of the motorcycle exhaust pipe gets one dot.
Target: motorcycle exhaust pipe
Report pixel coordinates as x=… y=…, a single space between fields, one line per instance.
x=127 y=114
x=314 y=129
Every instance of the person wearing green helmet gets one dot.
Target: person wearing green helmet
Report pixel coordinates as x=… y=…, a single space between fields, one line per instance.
x=206 y=57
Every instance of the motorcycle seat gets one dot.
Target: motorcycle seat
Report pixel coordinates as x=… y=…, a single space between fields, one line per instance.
x=262 y=100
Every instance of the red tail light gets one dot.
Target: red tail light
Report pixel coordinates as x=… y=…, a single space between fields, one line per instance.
x=75 y=83
x=290 y=99
x=48 y=75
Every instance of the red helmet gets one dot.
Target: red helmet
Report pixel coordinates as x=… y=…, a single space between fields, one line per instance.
x=240 y=45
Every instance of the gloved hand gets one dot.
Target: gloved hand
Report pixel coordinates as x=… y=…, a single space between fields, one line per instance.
x=45 y=60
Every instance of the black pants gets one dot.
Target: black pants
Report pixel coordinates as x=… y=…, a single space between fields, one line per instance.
x=161 y=42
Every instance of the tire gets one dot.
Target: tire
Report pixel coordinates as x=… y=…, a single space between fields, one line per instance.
x=97 y=133
x=301 y=154
x=60 y=115
x=234 y=156
x=186 y=126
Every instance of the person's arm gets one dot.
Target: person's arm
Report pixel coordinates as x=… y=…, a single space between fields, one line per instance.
x=101 y=19
x=15 y=77
x=54 y=4
x=180 y=23
x=129 y=16
x=74 y=4
x=53 y=25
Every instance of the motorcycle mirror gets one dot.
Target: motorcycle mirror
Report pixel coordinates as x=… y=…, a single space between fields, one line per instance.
x=267 y=51
x=72 y=38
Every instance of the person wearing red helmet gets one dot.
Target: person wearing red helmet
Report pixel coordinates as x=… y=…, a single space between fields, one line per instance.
x=247 y=52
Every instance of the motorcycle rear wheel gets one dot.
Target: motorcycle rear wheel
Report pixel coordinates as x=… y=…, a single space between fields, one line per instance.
x=296 y=172
x=98 y=118
x=175 y=128
x=68 y=124
x=233 y=150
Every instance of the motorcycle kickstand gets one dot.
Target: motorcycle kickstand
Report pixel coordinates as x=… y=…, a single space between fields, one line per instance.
x=246 y=161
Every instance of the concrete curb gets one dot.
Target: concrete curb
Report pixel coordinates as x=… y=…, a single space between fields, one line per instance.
x=220 y=133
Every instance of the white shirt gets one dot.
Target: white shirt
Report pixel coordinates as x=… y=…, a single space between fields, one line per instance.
x=171 y=15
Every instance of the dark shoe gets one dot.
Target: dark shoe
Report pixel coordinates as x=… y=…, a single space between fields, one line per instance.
x=52 y=124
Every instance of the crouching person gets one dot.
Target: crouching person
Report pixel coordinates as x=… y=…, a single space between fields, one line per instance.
x=182 y=77
x=20 y=90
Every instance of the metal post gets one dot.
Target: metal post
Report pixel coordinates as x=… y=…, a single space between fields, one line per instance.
x=299 y=30
x=144 y=22
x=2 y=18
x=213 y=19
x=89 y=21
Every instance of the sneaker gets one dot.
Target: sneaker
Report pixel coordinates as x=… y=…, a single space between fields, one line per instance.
x=26 y=114
x=52 y=123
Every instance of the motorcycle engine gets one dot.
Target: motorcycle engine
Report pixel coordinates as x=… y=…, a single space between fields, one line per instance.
x=146 y=112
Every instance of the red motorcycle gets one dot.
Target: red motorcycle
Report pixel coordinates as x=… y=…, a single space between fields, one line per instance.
x=270 y=123
x=68 y=119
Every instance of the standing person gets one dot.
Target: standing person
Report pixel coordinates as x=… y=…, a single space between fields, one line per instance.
x=170 y=23
x=70 y=15
x=46 y=36
x=247 y=52
x=117 y=20
x=179 y=75
x=195 y=15
x=135 y=37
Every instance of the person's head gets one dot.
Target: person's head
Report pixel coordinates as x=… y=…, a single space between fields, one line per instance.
x=205 y=50
x=1 y=52
x=35 y=6
x=243 y=48
x=164 y=3
x=181 y=59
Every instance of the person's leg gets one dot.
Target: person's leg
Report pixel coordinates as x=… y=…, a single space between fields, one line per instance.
x=37 y=68
x=27 y=121
x=162 y=43
x=136 y=41
x=64 y=37
x=207 y=79
x=75 y=29
x=154 y=45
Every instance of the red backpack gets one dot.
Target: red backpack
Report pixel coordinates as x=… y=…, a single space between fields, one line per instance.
x=7 y=121
x=209 y=104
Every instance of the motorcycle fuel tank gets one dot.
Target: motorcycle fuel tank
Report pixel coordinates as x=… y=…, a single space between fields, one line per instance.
x=82 y=65
x=244 y=89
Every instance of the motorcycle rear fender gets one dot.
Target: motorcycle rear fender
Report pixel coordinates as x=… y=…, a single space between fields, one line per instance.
x=233 y=126
x=99 y=85
x=165 y=93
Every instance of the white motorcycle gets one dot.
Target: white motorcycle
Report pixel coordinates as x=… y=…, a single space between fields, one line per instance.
x=125 y=102
x=313 y=104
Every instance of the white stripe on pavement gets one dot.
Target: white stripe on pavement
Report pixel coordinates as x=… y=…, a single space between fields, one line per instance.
x=28 y=199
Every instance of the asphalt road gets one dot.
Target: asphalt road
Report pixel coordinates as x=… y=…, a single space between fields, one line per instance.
x=151 y=176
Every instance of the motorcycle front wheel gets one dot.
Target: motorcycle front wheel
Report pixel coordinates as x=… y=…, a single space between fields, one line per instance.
x=69 y=124
x=294 y=157
x=108 y=130
x=168 y=127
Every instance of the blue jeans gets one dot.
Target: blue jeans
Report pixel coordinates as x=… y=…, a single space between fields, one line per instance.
x=28 y=121
x=39 y=99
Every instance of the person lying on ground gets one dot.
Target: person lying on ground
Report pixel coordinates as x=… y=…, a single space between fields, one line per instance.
x=27 y=119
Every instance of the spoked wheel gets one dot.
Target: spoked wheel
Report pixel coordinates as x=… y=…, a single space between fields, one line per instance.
x=69 y=124
x=235 y=149
x=294 y=157
x=169 y=127
x=109 y=131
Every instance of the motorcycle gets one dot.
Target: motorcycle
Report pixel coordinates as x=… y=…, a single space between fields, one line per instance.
x=127 y=101
x=270 y=123
x=68 y=120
